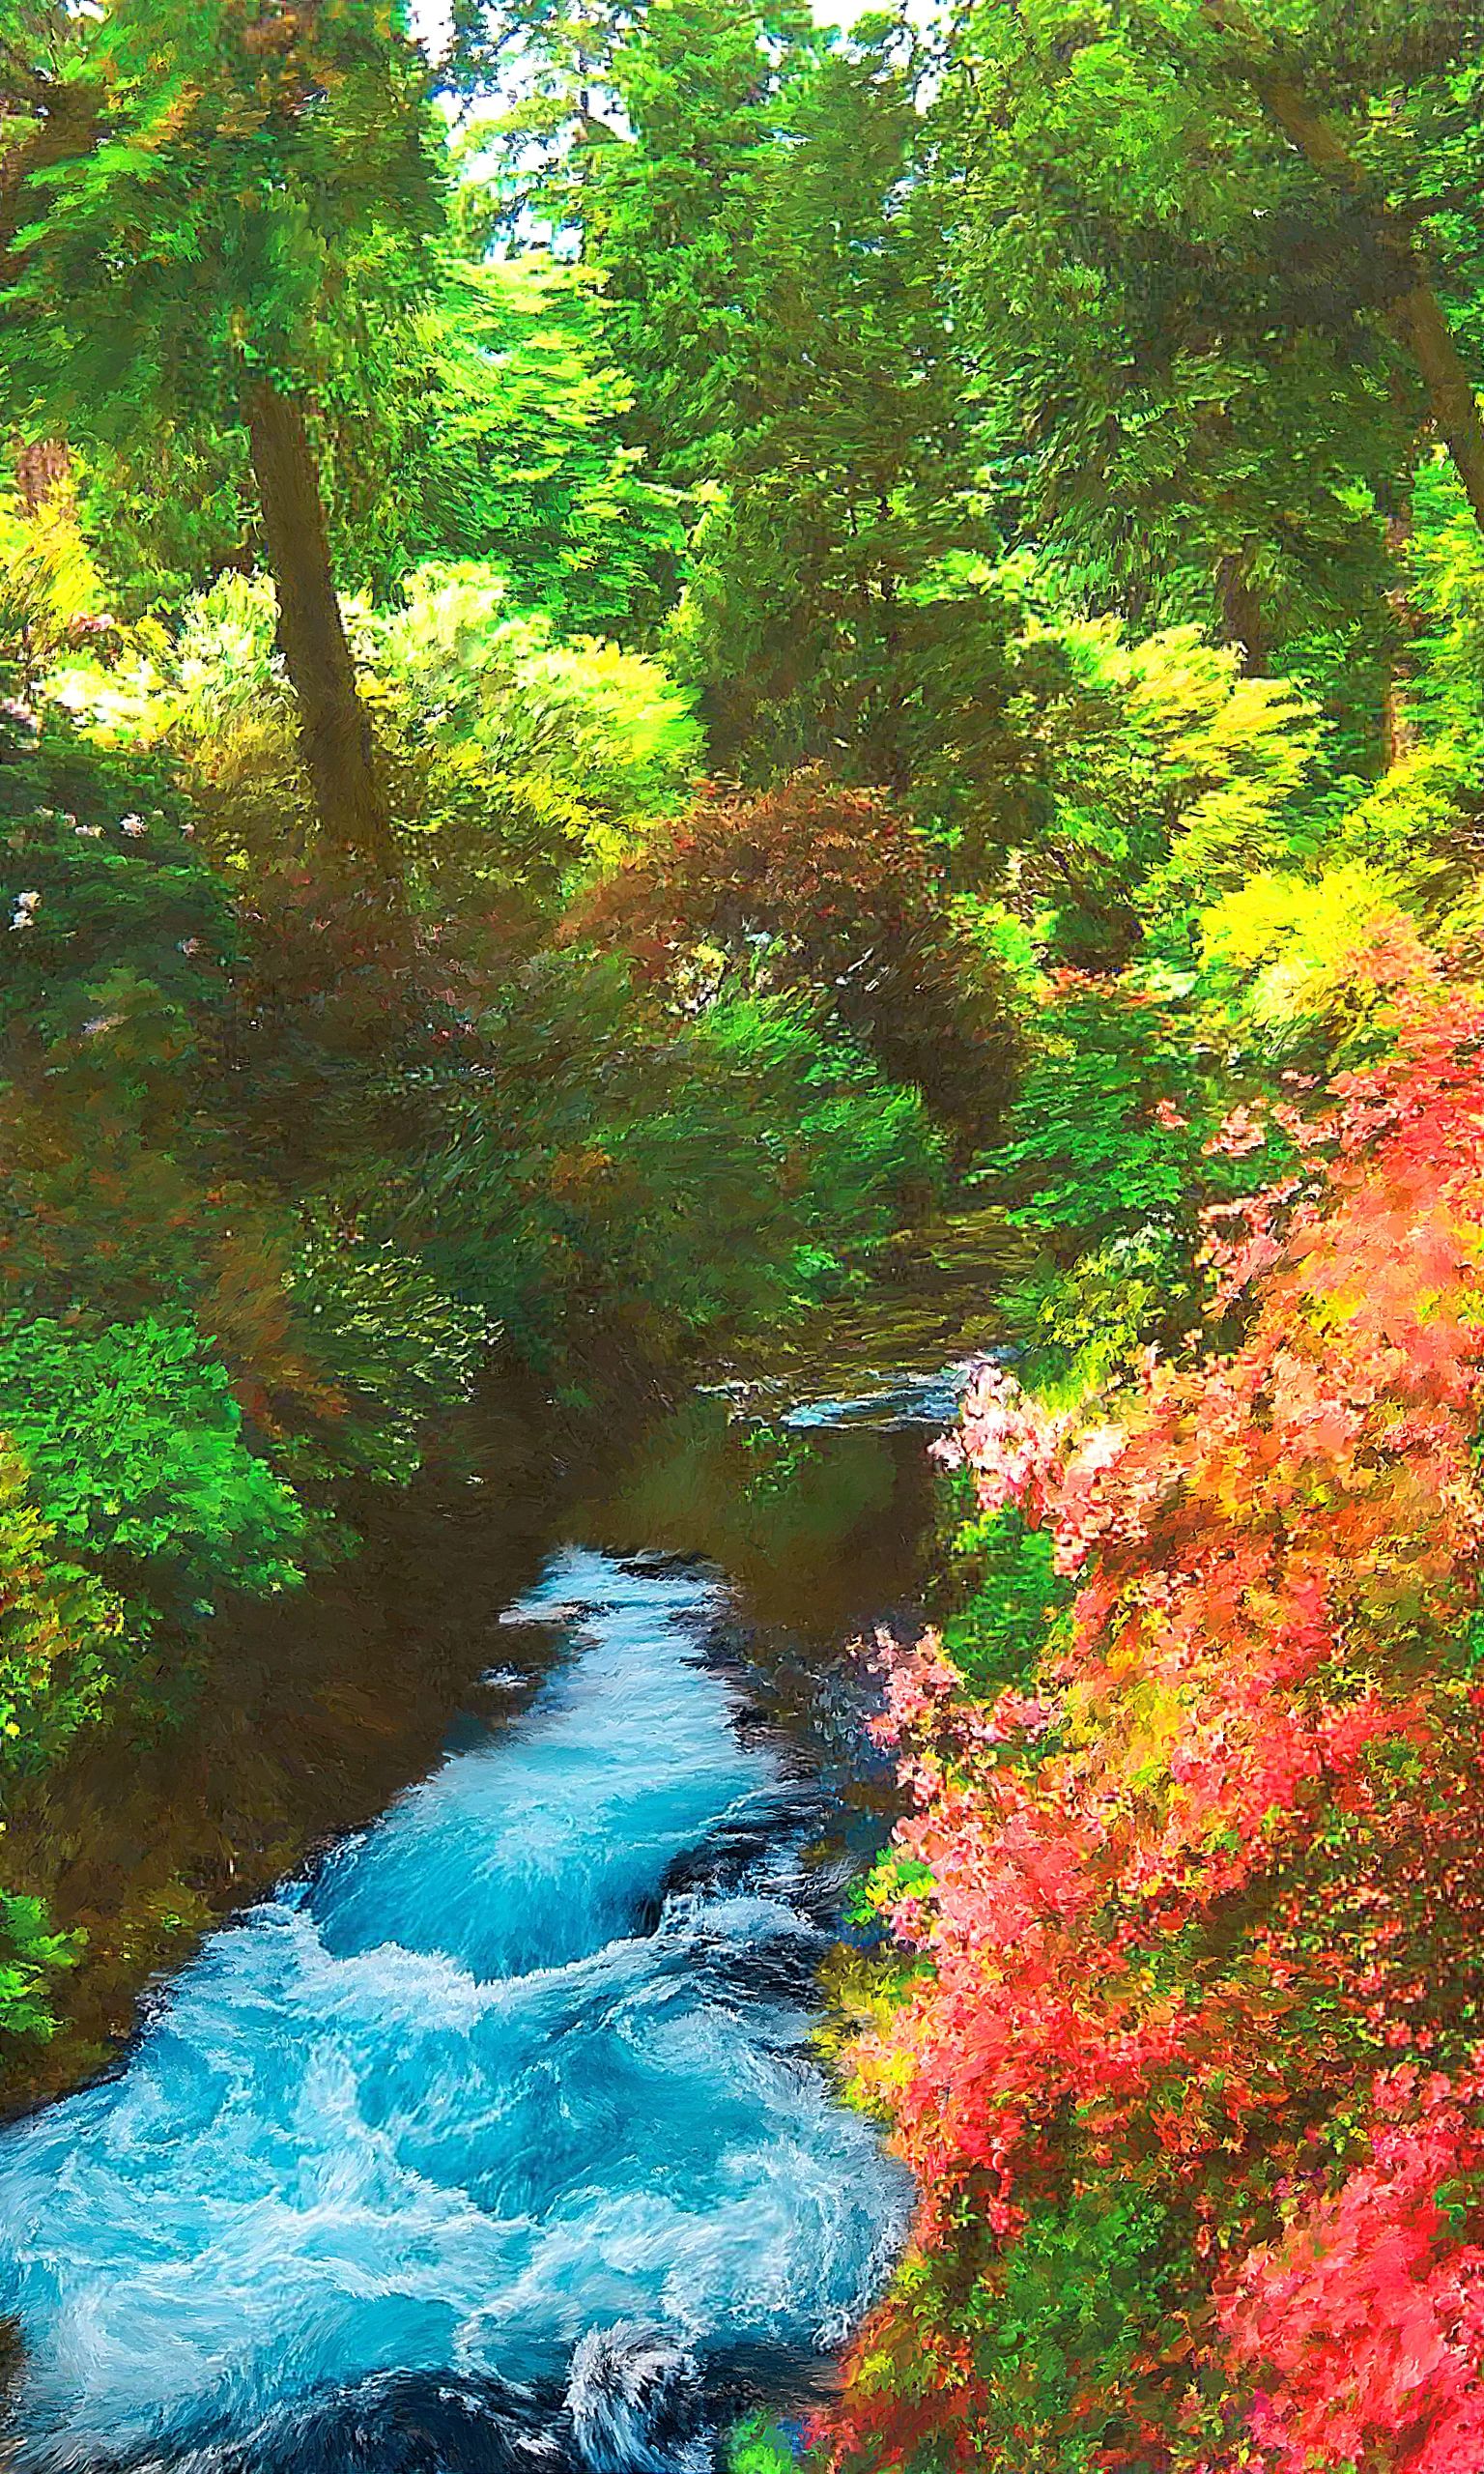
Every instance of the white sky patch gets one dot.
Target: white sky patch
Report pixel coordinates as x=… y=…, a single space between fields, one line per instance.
x=433 y=19
x=432 y=22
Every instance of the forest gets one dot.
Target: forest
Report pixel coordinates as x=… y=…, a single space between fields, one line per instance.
x=646 y=645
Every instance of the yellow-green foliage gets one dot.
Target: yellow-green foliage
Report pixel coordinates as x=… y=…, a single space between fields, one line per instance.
x=473 y=672
x=1286 y=945
x=1127 y=777
x=1419 y=823
x=511 y=755
x=759 y=2447
x=1232 y=751
x=48 y=579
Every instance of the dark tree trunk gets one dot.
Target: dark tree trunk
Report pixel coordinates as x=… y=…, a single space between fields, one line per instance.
x=43 y=466
x=1419 y=323
x=43 y=469
x=1241 y=608
x=334 y=731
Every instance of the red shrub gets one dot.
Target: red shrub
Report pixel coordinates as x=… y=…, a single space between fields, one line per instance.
x=817 y=887
x=1190 y=1902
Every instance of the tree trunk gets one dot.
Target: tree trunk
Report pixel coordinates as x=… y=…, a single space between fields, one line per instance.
x=1419 y=323
x=44 y=470
x=1400 y=730
x=334 y=731
x=1241 y=608
x=1414 y=314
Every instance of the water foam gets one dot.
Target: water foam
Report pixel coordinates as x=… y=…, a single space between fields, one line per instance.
x=486 y=2090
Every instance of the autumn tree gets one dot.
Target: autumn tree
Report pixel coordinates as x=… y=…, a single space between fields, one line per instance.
x=1188 y=2060
x=832 y=896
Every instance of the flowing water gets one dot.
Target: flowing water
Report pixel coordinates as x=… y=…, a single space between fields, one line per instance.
x=498 y=2139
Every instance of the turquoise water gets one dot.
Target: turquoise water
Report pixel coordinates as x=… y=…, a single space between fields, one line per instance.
x=497 y=2141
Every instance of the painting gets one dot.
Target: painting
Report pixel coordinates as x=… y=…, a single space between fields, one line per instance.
x=741 y=1221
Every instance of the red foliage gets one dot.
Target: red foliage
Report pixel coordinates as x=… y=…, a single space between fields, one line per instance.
x=818 y=887
x=1187 y=1903
x=1366 y=2320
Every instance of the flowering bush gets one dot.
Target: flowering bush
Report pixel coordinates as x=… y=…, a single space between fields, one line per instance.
x=1190 y=2073
x=99 y=874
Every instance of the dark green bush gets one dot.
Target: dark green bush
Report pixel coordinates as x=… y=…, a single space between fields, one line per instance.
x=671 y=1186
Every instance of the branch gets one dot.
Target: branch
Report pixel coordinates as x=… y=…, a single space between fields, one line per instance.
x=1414 y=314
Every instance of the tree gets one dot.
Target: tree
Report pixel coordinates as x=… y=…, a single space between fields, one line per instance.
x=1215 y=275
x=843 y=472
x=1107 y=781
x=813 y=890
x=260 y=212
x=507 y=444
x=650 y=134
x=672 y=215
x=45 y=115
x=1385 y=236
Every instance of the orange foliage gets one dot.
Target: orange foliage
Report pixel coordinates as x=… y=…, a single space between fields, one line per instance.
x=1189 y=1902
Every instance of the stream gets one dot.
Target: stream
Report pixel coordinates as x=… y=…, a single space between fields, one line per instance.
x=495 y=2138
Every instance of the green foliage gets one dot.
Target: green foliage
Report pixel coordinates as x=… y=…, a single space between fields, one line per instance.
x=1082 y=1324
x=1278 y=961
x=511 y=448
x=1418 y=825
x=1445 y=564
x=759 y=2447
x=679 y=1185
x=515 y=756
x=400 y=1350
x=31 y=1955
x=220 y=228
x=549 y=749
x=1177 y=319
x=162 y=529
x=240 y=222
x=97 y=867
x=136 y=1451
x=61 y=1633
x=668 y=192
x=844 y=471
x=1007 y=1593
x=1134 y=1118
x=50 y=589
x=1085 y=2282
x=1112 y=1119
x=1124 y=780
x=815 y=889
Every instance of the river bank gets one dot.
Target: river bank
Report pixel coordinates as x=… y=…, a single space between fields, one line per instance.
x=723 y=1771
x=325 y=1701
